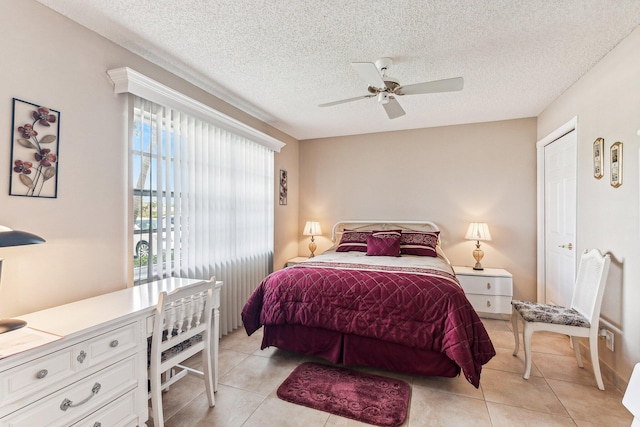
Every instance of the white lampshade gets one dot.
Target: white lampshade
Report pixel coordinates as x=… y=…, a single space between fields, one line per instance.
x=478 y=231
x=312 y=228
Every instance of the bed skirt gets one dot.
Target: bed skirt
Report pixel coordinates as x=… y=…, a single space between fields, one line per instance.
x=353 y=350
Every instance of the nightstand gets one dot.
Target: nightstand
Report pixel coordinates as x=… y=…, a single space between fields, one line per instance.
x=296 y=260
x=489 y=290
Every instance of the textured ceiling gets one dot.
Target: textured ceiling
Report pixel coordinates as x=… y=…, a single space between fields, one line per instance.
x=279 y=59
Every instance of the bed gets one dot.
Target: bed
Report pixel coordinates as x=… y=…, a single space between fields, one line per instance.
x=384 y=295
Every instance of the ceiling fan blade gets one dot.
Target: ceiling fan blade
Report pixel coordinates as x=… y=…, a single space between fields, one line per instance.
x=369 y=72
x=445 y=85
x=342 y=101
x=393 y=108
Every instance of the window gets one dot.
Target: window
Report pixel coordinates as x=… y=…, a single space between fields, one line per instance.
x=203 y=190
x=203 y=202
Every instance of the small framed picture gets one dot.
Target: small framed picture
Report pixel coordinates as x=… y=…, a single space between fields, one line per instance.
x=283 y=187
x=616 y=165
x=598 y=147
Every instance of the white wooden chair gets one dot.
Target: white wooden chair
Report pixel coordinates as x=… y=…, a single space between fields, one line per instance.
x=182 y=328
x=580 y=320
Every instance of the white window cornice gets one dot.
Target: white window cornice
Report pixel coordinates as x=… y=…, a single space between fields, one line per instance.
x=126 y=80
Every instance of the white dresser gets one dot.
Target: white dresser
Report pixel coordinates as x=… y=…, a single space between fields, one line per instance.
x=96 y=375
x=489 y=290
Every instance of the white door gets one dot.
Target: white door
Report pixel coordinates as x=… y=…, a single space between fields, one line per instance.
x=560 y=157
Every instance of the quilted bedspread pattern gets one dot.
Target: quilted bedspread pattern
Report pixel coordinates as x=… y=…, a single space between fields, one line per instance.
x=423 y=309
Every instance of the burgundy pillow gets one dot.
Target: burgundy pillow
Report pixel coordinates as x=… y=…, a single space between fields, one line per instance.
x=352 y=240
x=419 y=243
x=386 y=245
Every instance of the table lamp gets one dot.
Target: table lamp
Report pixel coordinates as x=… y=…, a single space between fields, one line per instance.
x=9 y=237
x=478 y=231
x=312 y=228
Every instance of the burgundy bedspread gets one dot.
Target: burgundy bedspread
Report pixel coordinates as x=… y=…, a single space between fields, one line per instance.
x=424 y=309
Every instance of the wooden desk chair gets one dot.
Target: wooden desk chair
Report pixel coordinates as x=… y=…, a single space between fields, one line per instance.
x=182 y=328
x=580 y=320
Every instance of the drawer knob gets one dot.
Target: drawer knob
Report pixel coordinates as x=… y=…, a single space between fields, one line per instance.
x=114 y=343
x=97 y=424
x=488 y=303
x=488 y=285
x=66 y=403
x=42 y=373
x=81 y=356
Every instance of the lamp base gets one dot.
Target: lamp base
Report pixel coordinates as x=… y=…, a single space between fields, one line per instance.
x=312 y=247
x=478 y=254
x=7 y=325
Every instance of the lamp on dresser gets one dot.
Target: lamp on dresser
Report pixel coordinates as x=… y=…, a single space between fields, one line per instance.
x=312 y=228
x=478 y=231
x=9 y=237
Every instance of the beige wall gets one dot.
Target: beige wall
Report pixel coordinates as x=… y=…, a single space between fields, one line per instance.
x=451 y=175
x=52 y=61
x=607 y=103
x=286 y=216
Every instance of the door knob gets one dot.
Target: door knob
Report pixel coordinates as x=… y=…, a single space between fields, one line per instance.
x=569 y=246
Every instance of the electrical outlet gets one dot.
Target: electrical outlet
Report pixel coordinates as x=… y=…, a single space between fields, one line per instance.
x=608 y=335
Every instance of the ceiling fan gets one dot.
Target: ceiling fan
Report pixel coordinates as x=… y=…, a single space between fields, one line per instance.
x=386 y=88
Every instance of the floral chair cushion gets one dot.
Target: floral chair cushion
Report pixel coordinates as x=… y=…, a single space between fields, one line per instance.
x=173 y=350
x=536 y=312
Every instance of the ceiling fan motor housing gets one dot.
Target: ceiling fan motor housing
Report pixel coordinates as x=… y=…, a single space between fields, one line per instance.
x=383 y=97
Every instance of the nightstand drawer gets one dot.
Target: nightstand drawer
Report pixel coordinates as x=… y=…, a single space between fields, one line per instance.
x=486 y=285
x=490 y=303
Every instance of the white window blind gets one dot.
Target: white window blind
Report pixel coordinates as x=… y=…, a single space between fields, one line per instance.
x=203 y=204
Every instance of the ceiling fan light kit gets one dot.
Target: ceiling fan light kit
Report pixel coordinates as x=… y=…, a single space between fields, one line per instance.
x=386 y=88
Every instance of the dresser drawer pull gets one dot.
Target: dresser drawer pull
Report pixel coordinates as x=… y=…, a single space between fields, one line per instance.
x=114 y=343
x=97 y=424
x=488 y=303
x=42 y=373
x=488 y=285
x=66 y=403
x=82 y=356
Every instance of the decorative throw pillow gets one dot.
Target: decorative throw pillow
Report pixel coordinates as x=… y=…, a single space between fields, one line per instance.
x=352 y=240
x=419 y=243
x=387 y=233
x=386 y=245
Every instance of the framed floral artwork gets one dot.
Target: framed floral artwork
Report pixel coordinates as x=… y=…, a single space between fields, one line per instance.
x=283 y=187
x=616 y=164
x=598 y=146
x=34 y=150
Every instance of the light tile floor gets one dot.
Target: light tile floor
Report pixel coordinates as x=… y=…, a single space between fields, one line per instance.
x=558 y=393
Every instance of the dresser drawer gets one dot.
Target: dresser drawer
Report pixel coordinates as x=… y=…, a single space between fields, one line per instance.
x=486 y=285
x=86 y=396
x=490 y=303
x=119 y=413
x=108 y=347
x=53 y=371
x=31 y=379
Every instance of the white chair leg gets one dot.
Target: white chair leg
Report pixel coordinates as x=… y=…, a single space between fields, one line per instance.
x=595 y=361
x=527 y=332
x=156 y=404
x=576 y=348
x=207 y=370
x=514 y=323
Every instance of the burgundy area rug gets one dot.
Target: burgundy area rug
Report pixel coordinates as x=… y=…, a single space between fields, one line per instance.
x=367 y=398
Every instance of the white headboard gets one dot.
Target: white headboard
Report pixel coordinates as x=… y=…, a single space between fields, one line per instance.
x=339 y=226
